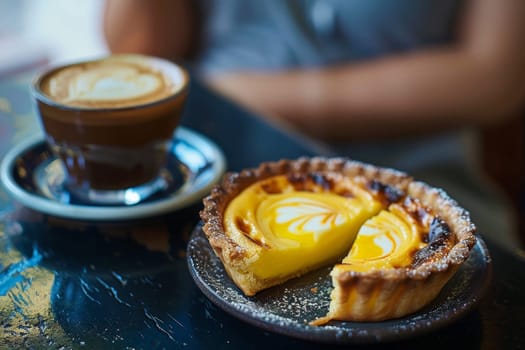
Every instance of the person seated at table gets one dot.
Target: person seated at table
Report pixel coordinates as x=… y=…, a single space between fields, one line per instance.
x=404 y=84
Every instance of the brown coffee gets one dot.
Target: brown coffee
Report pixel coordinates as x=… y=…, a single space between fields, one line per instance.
x=111 y=120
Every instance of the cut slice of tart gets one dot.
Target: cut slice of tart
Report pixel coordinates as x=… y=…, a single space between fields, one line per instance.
x=286 y=218
x=401 y=258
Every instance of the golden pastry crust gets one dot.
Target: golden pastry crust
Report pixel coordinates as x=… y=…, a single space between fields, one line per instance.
x=396 y=291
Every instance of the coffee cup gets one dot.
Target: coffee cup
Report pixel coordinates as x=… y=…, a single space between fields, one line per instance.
x=111 y=122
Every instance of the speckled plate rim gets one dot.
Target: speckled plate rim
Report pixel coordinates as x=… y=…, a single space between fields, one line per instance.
x=187 y=195
x=442 y=312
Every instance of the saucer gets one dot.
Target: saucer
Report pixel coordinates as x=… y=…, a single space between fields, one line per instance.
x=34 y=177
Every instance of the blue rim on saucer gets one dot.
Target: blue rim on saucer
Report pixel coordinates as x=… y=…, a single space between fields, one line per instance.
x=31 y=175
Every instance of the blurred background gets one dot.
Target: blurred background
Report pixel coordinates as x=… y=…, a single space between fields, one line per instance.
x=35 y=32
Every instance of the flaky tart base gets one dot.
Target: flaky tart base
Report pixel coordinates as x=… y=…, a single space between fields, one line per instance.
x=357 y=296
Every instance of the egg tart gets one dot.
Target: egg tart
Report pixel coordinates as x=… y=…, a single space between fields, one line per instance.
x=393 y=242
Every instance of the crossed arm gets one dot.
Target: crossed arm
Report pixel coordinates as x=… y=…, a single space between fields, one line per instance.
x=478 y=80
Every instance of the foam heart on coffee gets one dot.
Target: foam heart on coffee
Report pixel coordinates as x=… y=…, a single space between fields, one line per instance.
x=118 y=81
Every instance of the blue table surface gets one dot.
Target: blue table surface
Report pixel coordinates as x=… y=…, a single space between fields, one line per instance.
x=127 y=286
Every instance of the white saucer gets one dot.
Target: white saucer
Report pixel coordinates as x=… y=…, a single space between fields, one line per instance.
x=30 y=174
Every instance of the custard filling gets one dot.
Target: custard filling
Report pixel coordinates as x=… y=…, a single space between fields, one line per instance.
x=387 y=240
x=300 y=224
x=295 y=229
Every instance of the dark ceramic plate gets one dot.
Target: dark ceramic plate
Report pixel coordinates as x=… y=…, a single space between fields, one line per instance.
x=34 y=177
x=287 y=309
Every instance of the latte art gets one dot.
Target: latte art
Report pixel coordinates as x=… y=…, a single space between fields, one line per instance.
x=113 y=83
x=118 y=81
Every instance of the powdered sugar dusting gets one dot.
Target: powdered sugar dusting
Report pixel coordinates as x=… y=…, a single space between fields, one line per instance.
x=288 y=308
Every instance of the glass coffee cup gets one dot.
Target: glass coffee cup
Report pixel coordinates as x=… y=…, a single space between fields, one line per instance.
x=111 y=123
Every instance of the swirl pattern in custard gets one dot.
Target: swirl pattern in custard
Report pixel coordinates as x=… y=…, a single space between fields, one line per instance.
x=385 y=241
x=113 y=82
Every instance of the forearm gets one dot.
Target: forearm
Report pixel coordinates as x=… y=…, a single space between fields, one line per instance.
x=165 y=28
x=429 y=90
x=426 y=91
